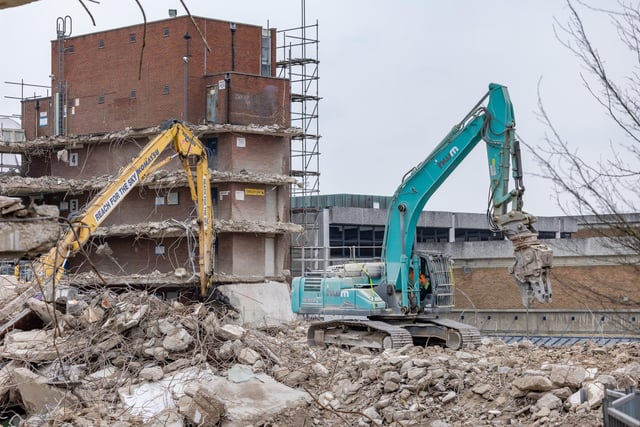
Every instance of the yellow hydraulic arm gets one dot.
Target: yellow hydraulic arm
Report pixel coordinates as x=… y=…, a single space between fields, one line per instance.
x=49 y=268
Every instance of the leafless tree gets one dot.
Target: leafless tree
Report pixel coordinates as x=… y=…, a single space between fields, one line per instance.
x=605 y=191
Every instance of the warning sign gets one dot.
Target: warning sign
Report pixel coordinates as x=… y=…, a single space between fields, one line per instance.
x=254 y=191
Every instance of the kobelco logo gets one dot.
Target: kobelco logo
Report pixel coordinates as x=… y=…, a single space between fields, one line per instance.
x=442 y=163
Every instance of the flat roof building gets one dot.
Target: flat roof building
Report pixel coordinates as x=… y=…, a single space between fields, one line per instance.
x=589 y=269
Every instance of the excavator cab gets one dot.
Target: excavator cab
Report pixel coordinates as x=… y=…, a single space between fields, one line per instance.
x=436 y=293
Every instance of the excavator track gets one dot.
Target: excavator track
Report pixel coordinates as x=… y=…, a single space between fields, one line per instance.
x=469 y=335
x=383 y=335
x=358 y=333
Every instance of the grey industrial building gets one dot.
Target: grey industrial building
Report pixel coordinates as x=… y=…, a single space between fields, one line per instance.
x=588 y=273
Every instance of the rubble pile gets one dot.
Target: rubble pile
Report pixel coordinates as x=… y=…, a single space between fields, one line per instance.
x=12 y=207
x=106 y=359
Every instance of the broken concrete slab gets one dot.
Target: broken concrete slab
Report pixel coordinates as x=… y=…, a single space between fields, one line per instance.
x=201 y=406
x=129 y=317
x=26 y=231
x=149 y=399
x=28 y=236
x=39 y=397
x=248 y=395
x=5 y=380
x=266 y=303
x=6 y=201
x=245 y=395
x=36 y=345
x=45 y=311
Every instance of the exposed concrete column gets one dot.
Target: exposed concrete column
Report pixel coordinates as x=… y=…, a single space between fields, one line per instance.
x=452 y=230
x=323 y=238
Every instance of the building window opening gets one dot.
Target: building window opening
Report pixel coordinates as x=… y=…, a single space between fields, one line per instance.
x=173 y=199
x=265 y=53
x=101 y=99
x=132 y=94
x=212 y=152
x=132 y=38
x=165 y=32
x=100 y=43
x=165 y=90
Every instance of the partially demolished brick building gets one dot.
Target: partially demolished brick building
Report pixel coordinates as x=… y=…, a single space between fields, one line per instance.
x=111 y=91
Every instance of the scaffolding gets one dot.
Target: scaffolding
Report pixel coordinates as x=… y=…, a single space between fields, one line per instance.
x=298 y=61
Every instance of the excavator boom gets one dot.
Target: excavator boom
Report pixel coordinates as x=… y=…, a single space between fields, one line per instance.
x=495 y=124
x=48 y=269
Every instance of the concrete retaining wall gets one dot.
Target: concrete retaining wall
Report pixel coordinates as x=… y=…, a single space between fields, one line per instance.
x=551 y=322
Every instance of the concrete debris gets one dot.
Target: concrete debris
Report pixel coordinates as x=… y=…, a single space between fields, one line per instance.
x=39 y=397
x=146 y=361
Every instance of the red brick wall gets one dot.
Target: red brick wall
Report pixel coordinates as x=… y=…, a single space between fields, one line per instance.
x=254 y=100
x=584 y=287
x=135 y=256
x=114 y=70
x=257 y=154
x=31 y=113
x=248 y=254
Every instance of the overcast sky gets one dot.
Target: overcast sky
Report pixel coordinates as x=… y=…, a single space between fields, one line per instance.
x=395 y=76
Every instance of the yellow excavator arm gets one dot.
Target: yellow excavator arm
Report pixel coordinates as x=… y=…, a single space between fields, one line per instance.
x=49 y=268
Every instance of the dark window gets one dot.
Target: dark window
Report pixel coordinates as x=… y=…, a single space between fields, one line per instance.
x=132 y=94
x=70 y=49
x=100 y=43
x=366 y=241
x=165 y=90
x=477 y=235
x=132 y=37
x=362 y=241
x=432 y=234
x=547 y=235
x=336 y=240
x=212 y=152
x=265 y=54
x=165 y=32
x=101 y=99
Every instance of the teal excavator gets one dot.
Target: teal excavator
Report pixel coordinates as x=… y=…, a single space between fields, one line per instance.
x=377 y=304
